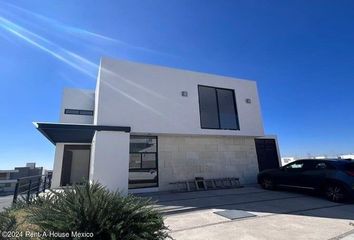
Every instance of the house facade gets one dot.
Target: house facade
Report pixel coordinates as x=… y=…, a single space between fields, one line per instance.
x=146 y=126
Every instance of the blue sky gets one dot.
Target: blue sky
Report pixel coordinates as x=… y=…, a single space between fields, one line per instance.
x=301 y=53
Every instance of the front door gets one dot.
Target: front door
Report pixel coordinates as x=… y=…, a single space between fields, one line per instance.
x=143 y=169
x=76 y=164
x=267 y=154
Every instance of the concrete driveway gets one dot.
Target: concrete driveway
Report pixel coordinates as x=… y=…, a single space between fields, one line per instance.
x=278 y=215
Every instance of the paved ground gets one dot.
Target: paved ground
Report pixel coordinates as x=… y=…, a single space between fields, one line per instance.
x=5 y=201
x=279 y=215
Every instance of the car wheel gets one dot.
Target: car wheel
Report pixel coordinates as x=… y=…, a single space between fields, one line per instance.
x=335 y=192
x=267 y=183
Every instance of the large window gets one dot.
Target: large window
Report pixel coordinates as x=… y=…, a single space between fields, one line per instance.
x=217 y=108
x=143 y=170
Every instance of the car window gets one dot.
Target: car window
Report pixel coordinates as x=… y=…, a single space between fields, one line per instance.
x=321 y=165
x=296 y=165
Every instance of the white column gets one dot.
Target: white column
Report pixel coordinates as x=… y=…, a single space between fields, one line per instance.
x=58 y=162
x=110 y=160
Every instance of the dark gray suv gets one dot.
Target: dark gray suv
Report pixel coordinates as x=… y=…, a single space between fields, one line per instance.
x=333 y=177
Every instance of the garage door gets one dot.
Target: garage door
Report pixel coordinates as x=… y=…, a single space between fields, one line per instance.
x=267 y=154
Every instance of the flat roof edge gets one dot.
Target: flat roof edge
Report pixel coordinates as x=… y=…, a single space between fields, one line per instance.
x=73 y=126
x=74 y=133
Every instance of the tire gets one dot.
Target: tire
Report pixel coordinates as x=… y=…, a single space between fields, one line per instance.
x=267 y=183
x=335 y=192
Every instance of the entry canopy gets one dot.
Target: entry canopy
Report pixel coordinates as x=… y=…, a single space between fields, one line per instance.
x=73 y=133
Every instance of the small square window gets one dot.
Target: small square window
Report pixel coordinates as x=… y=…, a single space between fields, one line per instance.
x=86 y=112
x=72 y=111
x=78 y=112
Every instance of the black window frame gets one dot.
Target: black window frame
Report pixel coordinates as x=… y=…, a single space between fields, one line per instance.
x=82 y=112
x=141 y=169
x=218 y=111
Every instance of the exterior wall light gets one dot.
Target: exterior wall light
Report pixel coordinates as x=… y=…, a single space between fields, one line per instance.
x=184 y=94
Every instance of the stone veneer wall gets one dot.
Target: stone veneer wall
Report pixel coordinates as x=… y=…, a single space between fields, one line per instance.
x=184 y=158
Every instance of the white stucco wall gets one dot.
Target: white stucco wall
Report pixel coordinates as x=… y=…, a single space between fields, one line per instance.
x=58 y=163
x=148 y=98
x=77 y=99
x=110 y=160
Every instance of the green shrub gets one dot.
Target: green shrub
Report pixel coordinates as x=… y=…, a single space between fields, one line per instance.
x=91 y=208
x=7 y=220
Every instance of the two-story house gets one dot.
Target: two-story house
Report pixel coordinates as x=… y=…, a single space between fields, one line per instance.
x=146 y=126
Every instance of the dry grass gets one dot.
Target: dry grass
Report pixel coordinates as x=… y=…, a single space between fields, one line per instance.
x=23 y=225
